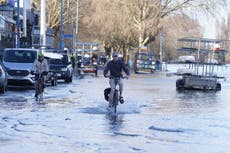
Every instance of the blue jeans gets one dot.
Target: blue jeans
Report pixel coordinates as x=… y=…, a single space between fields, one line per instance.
x=112 y=85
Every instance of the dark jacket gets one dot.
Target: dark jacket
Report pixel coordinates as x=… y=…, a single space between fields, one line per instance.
x=115 y=68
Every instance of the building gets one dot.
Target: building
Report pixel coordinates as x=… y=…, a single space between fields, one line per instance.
x=7 y=27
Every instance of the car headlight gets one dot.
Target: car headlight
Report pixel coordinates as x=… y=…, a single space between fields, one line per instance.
x=64 y=69
x=33 y=78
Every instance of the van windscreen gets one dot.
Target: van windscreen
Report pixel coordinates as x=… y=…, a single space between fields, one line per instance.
x=19 y=56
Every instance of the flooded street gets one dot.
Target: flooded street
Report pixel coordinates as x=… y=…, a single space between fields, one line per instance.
x=154 y=118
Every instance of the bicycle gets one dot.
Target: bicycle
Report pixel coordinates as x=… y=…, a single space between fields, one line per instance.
x=39 y=86
x=116 y=94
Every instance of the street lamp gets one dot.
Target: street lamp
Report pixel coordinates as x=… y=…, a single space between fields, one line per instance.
x=76 y=37
x=43 y=23
x=18 y=25
x=68 y=15
x=61 y=27
x=161 y=49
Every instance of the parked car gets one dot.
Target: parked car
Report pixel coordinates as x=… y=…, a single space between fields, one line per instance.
x=52 y=75
x=18 y=63
x=62 y=67
x=88 y=65
x=3 y=79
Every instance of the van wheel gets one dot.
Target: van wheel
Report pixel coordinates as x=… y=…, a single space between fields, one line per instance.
x=67 y=80
x=3 y=90
x=71 y=79
x=218 y=87
x=180 y=84
x=54 y=82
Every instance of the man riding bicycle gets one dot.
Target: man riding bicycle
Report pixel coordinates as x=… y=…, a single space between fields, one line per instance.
x=115 y=68
x=40 y=67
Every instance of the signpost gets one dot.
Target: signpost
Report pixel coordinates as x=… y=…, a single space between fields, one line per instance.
x=68 y=36
x=161 y=42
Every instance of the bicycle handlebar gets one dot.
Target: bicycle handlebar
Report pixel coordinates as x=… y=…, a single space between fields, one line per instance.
x=35 y=72
x=111 y=77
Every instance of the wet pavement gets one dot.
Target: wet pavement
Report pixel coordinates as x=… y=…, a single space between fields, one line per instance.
x=155 y=118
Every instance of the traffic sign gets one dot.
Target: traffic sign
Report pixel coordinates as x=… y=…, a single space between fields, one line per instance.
x=68 y=36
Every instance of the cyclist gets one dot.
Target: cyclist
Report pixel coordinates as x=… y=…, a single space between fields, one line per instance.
x=40 y=66
x=115 y=68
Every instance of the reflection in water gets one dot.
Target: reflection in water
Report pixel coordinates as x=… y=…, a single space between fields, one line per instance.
x=197 y=98
x=14 y=102
x=115 y=122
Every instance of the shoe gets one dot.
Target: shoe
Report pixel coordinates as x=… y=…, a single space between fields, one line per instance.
x=121 y=100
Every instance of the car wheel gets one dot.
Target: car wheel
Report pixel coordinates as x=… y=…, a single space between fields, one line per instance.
x=53 y=82
x=3 y=90
x=66 y=80
x=218 y=86
x=180 y=84
x=71 y=79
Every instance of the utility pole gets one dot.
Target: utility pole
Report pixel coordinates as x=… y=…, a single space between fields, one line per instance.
x=61 y=27
x=161 y=48
x=43 y=23
x=76 y=37
x=24 y=18
x=68 y=13
x=18 y=25
x=73 y=38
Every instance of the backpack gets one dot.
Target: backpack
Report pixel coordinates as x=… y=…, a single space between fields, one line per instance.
x=106 y=93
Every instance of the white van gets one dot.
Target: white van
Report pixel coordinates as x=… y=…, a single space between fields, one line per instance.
x=18 y=63
x=186 y=59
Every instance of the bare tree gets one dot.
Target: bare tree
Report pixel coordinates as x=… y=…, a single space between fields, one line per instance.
x=53 y=12
x=174 y=27
x=223 y=32
x=122 y=24
x=148 y=14
x=2 y=2
x=223 y=28
x=142 y=16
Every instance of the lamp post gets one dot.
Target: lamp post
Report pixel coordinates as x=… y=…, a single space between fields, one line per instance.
x=43 y=23
x=68 y=13
x=161 y=41
x=18 y=25
x=61 y=27
x=161 y=50
x=24 y=18
x=76 y=37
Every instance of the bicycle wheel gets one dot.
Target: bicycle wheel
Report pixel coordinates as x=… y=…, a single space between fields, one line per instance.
x=37 y=91
x=115 y=101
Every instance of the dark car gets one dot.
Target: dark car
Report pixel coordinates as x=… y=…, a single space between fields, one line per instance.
x=62 y=67
x=52 y=75
x=88 y=65
x=3 y=79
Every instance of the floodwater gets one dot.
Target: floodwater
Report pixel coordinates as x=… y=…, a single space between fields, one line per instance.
x=154 y=118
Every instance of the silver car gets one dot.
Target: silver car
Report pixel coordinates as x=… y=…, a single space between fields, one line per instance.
x=18 y=63
x=3 y=79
